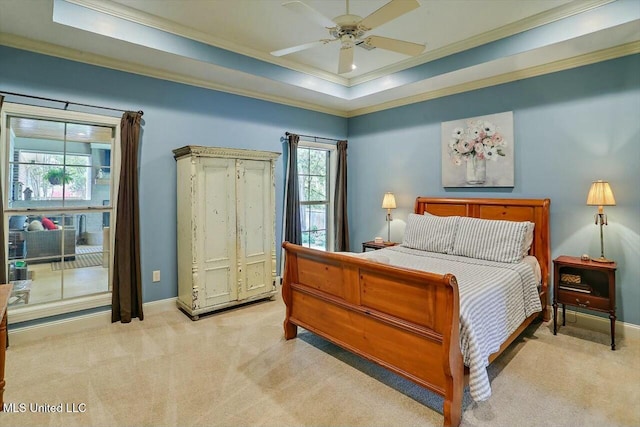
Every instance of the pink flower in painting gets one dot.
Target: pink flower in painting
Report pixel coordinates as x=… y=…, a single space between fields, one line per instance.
x=481 y=139
x=465 y=146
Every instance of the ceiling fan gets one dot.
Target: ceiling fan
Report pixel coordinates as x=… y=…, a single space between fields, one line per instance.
x=351 y=31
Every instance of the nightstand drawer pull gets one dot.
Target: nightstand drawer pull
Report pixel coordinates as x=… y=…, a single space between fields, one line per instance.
x=582 y=304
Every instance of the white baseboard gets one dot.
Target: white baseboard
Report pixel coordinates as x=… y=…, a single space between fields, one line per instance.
x=82 y=323
x=598 y=324
x=20 y=335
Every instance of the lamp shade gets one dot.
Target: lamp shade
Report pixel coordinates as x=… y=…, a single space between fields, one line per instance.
x=600 y=194
x=389 y=201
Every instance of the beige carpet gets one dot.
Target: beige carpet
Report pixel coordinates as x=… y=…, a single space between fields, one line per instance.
x=235 y=369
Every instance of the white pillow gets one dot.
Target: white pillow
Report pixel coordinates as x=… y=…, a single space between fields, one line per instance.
x=492 y=240
x=35 y=225
x=430 y=233
x=528 y=239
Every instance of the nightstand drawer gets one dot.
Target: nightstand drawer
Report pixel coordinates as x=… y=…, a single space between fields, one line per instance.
x=583 y=300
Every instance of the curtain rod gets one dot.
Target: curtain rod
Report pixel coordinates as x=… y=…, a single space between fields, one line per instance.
x=314 y=137
x=66 y=103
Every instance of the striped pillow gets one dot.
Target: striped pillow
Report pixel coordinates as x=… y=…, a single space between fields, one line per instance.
x=430 y=233
x=492 y=240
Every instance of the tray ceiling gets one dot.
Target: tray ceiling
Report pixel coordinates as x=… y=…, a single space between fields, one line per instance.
x=226 y=45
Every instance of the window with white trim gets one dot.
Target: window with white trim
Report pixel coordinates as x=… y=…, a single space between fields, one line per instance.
x=36 y=170
x=316 y=180
x=57 y=191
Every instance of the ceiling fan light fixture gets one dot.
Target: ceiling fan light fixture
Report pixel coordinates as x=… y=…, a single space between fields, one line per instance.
x=348 y=41
x=346 y=21
x=350 y=31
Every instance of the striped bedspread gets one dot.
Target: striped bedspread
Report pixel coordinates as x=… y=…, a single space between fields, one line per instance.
x=495 y=298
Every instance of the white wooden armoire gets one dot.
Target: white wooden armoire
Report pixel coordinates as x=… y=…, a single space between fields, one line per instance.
x=226 y=227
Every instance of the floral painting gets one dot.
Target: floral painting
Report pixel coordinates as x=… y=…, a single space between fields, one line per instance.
x=478 y=152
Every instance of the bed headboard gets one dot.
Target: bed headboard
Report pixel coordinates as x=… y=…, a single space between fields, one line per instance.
x=534 y=210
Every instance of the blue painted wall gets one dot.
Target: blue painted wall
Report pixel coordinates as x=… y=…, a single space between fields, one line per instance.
x=174 y=115
x=570 y=128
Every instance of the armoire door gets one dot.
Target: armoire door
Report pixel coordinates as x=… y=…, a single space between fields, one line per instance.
x=255 y=227
x=215 y=233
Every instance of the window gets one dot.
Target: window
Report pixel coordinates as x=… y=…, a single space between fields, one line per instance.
x=57 y=162
x=45 y=174
x=316 y=181
x=57 y=192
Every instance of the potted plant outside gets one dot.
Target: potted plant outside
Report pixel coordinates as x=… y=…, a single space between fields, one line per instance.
x=57 y=176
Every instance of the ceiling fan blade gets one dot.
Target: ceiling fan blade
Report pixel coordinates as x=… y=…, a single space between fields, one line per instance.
x=388 y=12
x=312 y=14
x=293 y=49
x=400 y=46
x=346 y=60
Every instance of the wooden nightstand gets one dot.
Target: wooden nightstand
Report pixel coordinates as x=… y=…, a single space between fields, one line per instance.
x=586 y=284
x=375 y=246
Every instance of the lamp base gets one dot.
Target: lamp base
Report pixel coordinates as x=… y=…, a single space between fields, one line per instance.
x=603 y=260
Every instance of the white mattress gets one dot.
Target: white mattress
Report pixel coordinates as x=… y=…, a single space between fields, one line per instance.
x=495 y=298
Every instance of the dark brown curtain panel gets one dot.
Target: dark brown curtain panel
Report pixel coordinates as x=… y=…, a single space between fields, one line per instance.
x=341 y=225
x=127 y=278
x=293 y=227
x=3 y=255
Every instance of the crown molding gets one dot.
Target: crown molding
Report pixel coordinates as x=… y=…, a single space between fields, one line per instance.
x=143 y=18
x=133 y=15
x=98 y=60
x=538 y=20
x=49 y=49
x=552 y=67
x=231 y=153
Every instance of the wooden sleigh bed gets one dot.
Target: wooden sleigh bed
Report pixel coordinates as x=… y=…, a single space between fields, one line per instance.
x=402 y=319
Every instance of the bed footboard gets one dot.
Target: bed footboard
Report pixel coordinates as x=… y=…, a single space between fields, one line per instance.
x=404 y=320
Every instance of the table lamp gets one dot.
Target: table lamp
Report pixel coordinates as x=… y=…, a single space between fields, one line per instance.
x=600 y=195
x=388 y=203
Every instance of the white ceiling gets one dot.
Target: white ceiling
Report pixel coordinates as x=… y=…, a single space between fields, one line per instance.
x=256 y=27
x=266 y=25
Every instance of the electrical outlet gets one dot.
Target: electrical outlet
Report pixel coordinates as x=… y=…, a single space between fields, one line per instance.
x=156 y=275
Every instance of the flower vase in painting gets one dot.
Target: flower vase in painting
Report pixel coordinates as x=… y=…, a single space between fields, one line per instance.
x=476 y=170
x=474 y=147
